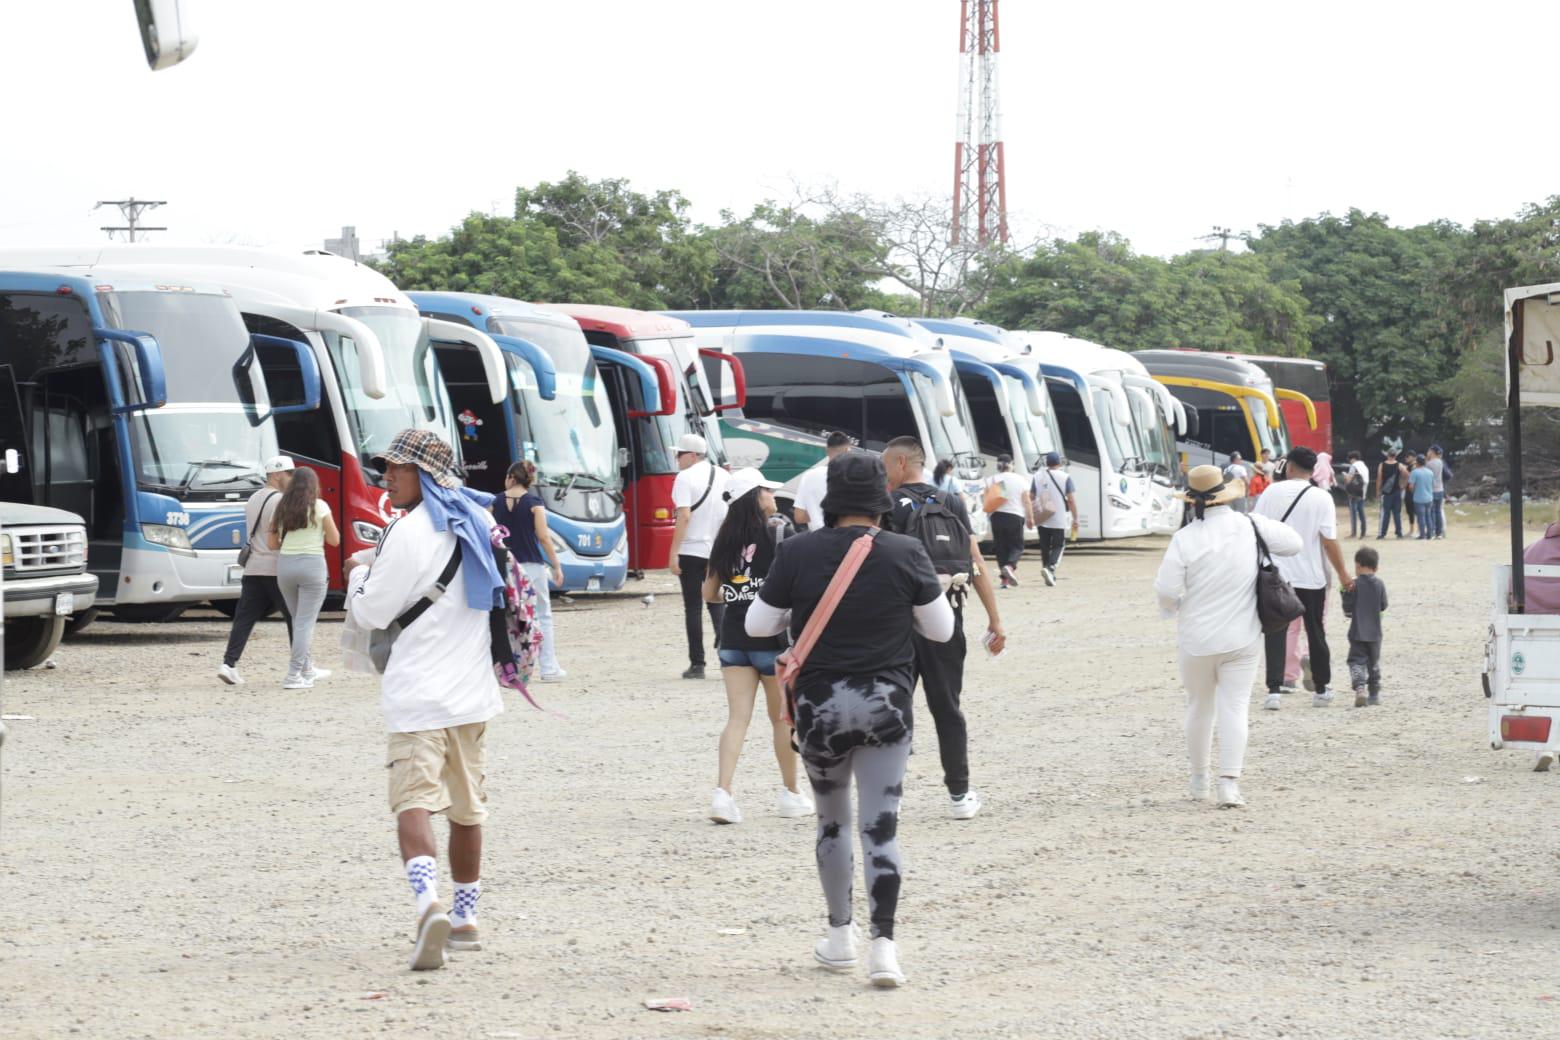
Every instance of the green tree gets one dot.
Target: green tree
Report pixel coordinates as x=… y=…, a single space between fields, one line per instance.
x=780 y=256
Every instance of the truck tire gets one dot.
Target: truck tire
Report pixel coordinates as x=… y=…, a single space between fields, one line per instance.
x=29 y=641
x=76 y=622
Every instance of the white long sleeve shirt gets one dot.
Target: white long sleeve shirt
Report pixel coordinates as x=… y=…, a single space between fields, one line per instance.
x=1209 y=579
x=440 y=672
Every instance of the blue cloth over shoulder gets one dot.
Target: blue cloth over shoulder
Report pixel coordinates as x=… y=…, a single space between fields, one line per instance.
x=462 y=511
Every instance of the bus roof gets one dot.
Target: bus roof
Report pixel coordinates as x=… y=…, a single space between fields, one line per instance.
x=965 y=328
x=481 y=305
x=623 y=322
x=116 y=278
x=890 y=335
x=1218 y=368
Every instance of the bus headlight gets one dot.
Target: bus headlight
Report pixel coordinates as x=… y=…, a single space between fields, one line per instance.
x=174 y=538
x=366 y=532
x=560 y=546
x=622 y=543
x=7 y=555
x=1119 y=502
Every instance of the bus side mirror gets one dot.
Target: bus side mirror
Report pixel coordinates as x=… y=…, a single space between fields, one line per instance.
x=622 y=458
x=166 y=33
x=308 y=374
x=148 y=359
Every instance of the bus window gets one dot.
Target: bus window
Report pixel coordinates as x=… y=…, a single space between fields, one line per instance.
x=889 y=415
x=991 y=434
x=1116 y=438
x=1073 y=423
x=1024 y=423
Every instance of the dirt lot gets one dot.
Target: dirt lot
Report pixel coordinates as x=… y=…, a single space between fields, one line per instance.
x=185 y=859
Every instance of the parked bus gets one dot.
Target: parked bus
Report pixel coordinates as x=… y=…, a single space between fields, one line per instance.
x=558 y=416
x=1115 y=487
x=1234 y=401
x=649 y=424
x=136 y=398
x=1304 y=397
x=871 y=375
x=375 y=355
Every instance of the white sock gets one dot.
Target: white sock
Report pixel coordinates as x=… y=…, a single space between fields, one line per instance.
x=423 y=873
x=466 y=896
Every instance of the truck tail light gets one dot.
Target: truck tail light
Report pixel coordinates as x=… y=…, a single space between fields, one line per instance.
x=1526 y=728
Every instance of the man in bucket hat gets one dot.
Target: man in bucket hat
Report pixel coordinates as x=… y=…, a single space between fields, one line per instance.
x=438 y=691
x=698 y=494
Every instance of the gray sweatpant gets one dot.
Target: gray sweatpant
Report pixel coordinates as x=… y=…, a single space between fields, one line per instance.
x=303 y=581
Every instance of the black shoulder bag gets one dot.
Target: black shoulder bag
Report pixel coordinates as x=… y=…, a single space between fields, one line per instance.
x=1277 y=604
x=249 y=544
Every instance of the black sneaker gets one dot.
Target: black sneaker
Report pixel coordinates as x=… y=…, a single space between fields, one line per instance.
x=1373 y=700
x=694 y=672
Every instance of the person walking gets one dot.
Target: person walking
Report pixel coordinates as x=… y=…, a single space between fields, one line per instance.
x=1363 y=605
x=258 y=592
x=942 y=526
x=743 y=552
x=1406 y=487
x=1309 y=510
x=808 y=506
x=521 y=512
x=698 y=495
x=1056 y=513
x=853 y=704
x=943 y=477
x=1356 y=485
x=301 y=528
x=438 y=690
x=1238 y=472
x=1007 y=495
x=1437 y=466
x=1323 y=476
x=1421 y=485
x=1389 y=480
x=1207 y=581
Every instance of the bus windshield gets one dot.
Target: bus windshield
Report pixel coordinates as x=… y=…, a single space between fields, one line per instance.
x=572 y=436
x=414 y=388
x=1111 y=433
x=1268 y=437
x=1151 y=425
x=207 y=437
x=950 y=434
x=692 y=399
x=1025 y=423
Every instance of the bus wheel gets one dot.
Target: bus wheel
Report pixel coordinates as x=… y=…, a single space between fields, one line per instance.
x=76 y=622
x=30 y=641
x=136 y=612
x=226 y=607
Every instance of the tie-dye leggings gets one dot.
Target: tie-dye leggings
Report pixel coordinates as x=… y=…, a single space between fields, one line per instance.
x=857 y=727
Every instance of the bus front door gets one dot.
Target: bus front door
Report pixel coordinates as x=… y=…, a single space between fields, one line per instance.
x=486 y=447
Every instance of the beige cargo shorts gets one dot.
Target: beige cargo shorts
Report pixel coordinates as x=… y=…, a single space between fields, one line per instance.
x=440 y=770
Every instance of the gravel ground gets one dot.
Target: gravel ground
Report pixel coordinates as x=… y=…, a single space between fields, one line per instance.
x=187 y=859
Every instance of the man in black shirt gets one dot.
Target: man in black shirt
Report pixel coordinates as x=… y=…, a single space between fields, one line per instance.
x=941 y=665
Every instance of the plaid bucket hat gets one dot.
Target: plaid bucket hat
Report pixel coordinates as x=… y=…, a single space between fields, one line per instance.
x=427 y=451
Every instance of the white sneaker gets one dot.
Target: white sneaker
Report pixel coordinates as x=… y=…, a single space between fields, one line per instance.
x=793 y=805
x=1321 y=698
x=1229 y=794
x=297 y=682
x=1198 y=788
x=1010 y=574
x=1273 y=703
x=557 y=676
x=837 y=949
x=883 y=964
x=1543 y=761
x=315 y=675
x=228 y=674
x=723 y=808
x=1048 y=575
x=966 y=807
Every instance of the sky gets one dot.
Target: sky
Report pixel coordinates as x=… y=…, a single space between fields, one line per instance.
x=1157 y=120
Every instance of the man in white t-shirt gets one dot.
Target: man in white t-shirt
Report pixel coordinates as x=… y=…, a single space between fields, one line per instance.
x=1308 y=509
x=1238 y=470
x=1053 y=493
x=808 y=507
x=698 y=495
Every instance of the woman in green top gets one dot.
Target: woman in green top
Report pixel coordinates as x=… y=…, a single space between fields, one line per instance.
x=300 y=529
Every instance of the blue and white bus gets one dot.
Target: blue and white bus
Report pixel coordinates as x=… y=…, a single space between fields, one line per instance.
x=137 y=399
x=558 y=415
x=873 y=376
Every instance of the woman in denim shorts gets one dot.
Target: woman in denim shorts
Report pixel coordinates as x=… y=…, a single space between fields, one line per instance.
x=739 y=561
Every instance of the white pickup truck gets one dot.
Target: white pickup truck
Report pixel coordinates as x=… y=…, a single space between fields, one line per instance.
x=44 y=552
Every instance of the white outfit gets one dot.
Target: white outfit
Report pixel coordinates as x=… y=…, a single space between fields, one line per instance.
x=1209 y=578
x=1013 y=487
x=440 y=674
x=1363 y=470
x=687 y=489
x=1313 y=519
x=1050 y=491
x=809 y=494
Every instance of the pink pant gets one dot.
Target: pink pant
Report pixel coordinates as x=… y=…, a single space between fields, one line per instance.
x=1296 y=647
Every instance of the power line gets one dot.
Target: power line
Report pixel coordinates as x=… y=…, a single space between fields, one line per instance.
x=131 y=209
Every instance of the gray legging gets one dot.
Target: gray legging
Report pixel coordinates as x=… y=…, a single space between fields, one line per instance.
x=303 y=581
x=857 y=727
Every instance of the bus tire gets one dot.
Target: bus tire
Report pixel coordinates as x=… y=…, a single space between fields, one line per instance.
x=226 y=607
x=30 y=641
x=148 y=612
x=78 y=621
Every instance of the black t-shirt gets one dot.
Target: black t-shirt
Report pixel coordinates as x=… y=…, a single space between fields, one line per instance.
x=899 y=519
x=741 y=589
x=869 y=634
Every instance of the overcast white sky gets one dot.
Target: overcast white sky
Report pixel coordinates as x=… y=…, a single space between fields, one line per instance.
x=1158 y=120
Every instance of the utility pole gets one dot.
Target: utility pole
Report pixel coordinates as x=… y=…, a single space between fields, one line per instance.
x=1223 y=234
x=131 y=209
x=979 y=177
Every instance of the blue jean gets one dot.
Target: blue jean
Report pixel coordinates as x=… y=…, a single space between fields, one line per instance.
x=1358 y=525
x=761 y=661
x=1422 y=511
x=1391 y=509
x=1438 y=514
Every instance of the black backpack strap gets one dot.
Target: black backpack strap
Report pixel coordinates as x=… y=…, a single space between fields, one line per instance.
x=1285 y=518
x=707 y=489
x=1262 y=549
x=447 y=575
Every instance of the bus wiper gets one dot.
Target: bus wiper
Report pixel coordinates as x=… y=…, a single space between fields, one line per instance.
x=196 y=468
x=565 y=486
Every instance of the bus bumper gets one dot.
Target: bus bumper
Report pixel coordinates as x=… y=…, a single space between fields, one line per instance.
x=159 y=576
x=594 y=573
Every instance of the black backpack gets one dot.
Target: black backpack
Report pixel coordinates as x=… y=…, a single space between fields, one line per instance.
x=1355 y=486
x=939 y=528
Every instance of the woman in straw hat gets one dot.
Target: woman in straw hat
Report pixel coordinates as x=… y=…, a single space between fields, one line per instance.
x=1209 y=581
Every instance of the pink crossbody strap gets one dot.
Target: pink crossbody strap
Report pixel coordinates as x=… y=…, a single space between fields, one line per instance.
x=831 y=599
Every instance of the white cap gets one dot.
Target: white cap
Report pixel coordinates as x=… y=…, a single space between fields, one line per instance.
x=745 y=480
x=278 y=464
x=691 y=442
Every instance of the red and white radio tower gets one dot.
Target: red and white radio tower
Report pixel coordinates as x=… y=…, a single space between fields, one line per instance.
x=979 y=187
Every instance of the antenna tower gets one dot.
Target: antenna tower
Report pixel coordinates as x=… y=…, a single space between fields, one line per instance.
x=979 y=183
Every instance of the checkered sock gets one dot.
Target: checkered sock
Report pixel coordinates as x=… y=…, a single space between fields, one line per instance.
x=423 y=873
x=466 y=895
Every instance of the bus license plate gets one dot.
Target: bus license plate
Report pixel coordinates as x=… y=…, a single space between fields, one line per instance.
x=65 y=604
x=593 y=584
x=235 y=574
